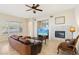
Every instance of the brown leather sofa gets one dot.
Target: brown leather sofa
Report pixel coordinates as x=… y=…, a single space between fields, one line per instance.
x=24 y=46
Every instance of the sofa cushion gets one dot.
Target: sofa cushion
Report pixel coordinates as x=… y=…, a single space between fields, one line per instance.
x=24 y=41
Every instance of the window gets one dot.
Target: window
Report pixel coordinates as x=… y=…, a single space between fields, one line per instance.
x=9 y=27
x=45 y=23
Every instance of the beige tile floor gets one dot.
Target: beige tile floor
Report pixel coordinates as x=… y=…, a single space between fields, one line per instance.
x=49 y=49
x=5 y=49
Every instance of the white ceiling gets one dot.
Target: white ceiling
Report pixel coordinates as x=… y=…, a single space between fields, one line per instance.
x=48 y=10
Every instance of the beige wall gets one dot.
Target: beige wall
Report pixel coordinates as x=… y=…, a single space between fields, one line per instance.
x=23 y=23
x=70 y=20
x=32 y=28
x=39 y=24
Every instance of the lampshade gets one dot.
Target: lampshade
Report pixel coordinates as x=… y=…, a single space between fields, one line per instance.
x=72 y=29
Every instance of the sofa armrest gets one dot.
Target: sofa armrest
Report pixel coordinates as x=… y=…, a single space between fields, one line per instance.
x=14 y=37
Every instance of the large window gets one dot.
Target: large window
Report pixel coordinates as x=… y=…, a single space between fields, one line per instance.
x=43 y=28
x=10 y=27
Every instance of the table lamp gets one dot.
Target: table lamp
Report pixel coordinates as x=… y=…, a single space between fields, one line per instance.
x=72 y=29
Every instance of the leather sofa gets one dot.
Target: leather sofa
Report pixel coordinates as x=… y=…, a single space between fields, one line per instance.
x=24 y=46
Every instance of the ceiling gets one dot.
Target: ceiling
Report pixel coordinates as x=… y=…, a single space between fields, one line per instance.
x=20 y=10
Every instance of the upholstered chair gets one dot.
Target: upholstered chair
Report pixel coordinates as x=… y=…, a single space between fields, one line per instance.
x=70 y=45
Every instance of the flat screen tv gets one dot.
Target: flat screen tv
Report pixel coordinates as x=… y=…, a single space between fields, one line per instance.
x=42 y=31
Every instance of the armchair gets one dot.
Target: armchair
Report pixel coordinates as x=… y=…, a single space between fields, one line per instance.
x=68 y=46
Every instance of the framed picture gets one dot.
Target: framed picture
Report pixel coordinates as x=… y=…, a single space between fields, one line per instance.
x=60 y=20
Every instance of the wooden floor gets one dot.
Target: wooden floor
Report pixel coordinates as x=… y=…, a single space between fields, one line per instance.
x=49 y=49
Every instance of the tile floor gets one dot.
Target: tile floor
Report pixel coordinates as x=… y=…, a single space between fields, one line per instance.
x=49 y=49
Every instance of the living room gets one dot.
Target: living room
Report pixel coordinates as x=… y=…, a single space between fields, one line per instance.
x=55 y=21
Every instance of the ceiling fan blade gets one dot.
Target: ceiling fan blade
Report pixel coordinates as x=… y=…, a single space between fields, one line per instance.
x=37 y=5
x=28 y=9
x=39 y=9
x=28 y=6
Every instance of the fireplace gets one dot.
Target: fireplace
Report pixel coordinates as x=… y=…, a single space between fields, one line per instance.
x=60 y=34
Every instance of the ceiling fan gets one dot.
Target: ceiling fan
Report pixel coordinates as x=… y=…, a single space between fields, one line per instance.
x=34 y=7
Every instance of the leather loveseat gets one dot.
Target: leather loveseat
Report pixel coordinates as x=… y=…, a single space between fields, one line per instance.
x=24 y=46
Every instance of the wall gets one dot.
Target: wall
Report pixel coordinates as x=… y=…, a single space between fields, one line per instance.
x=39 y=24
x=23 y=23
x=77 y=19
x=32 y=28
x=77 y=16
x=70 y=20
